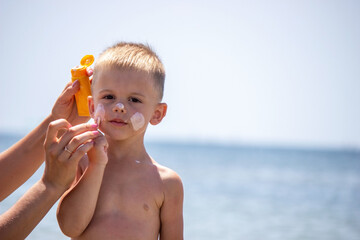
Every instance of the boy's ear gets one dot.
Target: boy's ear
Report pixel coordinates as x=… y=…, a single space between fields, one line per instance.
x=158 y=114
x=91 y=106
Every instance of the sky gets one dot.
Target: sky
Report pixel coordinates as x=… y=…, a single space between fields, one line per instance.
x=240 y=72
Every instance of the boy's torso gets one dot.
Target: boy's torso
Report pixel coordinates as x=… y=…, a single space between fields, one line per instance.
x=129 y=203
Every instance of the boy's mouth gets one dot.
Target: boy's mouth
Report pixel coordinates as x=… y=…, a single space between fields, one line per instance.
x=118 y=122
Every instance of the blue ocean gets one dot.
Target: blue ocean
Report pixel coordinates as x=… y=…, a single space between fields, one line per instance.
x=248 y=192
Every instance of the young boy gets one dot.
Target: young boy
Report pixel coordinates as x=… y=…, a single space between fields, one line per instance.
x=120 y=192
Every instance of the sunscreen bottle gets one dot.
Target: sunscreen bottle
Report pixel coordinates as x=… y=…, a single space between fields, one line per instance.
x=79 y=73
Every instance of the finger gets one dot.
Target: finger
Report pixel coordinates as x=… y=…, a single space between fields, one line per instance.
x=53 y=129
x=70 y=90
x=89 y=71
x=81 y=151
x=67 y=85
x=81 y=139
x=101 y=140
x=76 y=130
x=78 y=141
x=75 y=143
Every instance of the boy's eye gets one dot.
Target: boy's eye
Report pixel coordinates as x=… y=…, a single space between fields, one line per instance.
x=108 y=97
x=135 y=100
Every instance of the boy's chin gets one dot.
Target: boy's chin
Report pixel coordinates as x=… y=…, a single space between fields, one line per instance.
x=120 y=135
x=113 y=136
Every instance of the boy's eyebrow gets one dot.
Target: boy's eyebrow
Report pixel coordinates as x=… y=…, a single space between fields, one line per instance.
x=137 y=94
x=133 y=93
x=104 y=90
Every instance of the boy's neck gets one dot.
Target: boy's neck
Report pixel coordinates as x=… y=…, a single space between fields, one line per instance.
x=127 y=150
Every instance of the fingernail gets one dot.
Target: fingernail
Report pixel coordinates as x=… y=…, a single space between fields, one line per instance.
x=95 y=132
x=89 y=71
x=74 y=83
x=94 y=125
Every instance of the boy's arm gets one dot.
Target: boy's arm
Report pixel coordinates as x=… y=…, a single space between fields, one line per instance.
x=171 y=215
x=77 y=205
x=22 y=159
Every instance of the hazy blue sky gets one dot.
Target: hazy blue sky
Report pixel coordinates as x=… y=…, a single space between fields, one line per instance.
x=274 y=72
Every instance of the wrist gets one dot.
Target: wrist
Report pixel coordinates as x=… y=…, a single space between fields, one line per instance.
x=53 y=116
x=97 y=168
x=97 y=157
x=52 y=189
x=98 y=165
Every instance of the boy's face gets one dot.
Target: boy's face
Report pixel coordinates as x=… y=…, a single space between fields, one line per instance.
x=129 y=101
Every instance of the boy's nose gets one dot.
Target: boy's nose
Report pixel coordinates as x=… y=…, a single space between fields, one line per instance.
x=119 y=107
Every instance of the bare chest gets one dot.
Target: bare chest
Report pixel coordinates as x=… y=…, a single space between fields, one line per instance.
x=129 y=203
x=134 y=192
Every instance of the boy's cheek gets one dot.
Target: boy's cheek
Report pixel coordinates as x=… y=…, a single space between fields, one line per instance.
x=137 y=120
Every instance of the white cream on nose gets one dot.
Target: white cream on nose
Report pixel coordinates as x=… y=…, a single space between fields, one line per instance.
x=120 y=106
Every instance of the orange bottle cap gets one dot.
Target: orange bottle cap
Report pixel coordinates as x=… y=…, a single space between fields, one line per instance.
x=87 y=60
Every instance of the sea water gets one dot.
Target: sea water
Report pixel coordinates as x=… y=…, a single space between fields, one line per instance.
x=238 y=192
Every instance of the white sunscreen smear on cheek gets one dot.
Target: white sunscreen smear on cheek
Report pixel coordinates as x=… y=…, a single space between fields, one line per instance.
x=99 y=113
x=137 y=121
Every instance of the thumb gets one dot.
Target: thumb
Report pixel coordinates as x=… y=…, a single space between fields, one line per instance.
x=70 y=91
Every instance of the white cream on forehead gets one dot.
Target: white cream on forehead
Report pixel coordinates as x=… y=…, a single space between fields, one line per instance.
x=137 y=121
x=99 y=114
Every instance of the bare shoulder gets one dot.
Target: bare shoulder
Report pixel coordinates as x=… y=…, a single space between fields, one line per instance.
x=172 y=182
x=171 y=212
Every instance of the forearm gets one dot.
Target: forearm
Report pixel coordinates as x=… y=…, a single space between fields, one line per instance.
x=21 y=219
x=20 y=161
x=77 y=208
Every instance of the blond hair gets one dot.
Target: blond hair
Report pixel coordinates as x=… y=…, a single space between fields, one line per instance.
x=134 y=57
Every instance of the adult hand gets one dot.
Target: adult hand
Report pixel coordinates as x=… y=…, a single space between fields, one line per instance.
x=65 y=106
x=63 y=153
